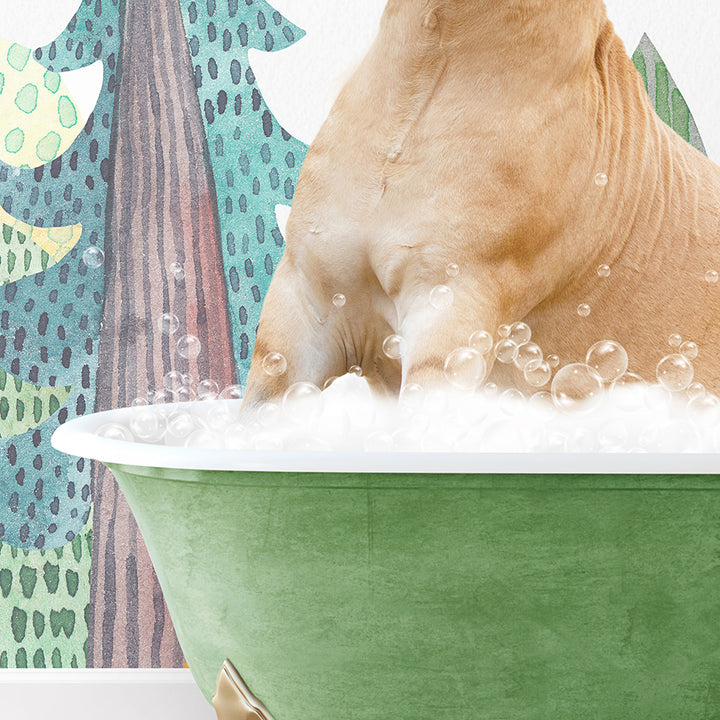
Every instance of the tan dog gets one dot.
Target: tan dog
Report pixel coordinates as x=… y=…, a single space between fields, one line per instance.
x=473 y=133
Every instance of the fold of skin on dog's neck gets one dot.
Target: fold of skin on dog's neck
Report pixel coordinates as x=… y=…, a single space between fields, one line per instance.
x=472 y=133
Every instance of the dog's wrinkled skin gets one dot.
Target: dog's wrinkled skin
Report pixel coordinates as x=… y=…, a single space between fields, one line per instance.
x=472 y=133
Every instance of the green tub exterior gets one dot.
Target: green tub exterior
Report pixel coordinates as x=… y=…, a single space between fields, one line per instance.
x=419 y=597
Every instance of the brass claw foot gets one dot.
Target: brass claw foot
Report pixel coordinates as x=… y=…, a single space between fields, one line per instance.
x=233 y=700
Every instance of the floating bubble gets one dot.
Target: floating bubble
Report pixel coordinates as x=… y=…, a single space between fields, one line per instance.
x=711 y=276
x=394 y=347
x=503 y=331
x=177 y=271
x=537 y=373
x=139 y=402
x=412 y=397
x=577 y=388
x=520 y=333
x=675 y=340
x=355 y=370
x=329 y=382
x=490 y=389
x=465 y=368
x=689 y=350
x=603 y=271
x=93 y=257
x=162 y=396
x=675 y=372
x=180 y=425
x=481 y=341
x=542 y=400
x=553 y=361
x=188 y=347
x=527 y=352
x=695 y=390
x=208 y=390
x=627 y=380
x=506 y=351
x=185 y=394
x=232 y=392
x=269 y=414
x=608 y=359
x=452 y=269
x=705 y=403
x=168 y=323
x=601 y=179
x=274 y=364
x=173 y=380
x=115 y=431
x=147 y=424
x=441 y=297
x=235 y=437
x=583 y=310
x=339 y=300
x=302 y=401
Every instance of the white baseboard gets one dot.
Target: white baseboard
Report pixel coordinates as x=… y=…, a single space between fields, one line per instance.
x=70 y=694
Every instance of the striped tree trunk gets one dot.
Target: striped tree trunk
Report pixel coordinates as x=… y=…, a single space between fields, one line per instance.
x=161 y=210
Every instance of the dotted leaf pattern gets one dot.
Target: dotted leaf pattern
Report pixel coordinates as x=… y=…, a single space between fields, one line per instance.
x=255 y=162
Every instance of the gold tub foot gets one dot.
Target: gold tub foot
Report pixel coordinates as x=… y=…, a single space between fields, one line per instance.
x=233 y=700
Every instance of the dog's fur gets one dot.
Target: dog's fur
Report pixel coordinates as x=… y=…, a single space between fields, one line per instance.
x=472 y=133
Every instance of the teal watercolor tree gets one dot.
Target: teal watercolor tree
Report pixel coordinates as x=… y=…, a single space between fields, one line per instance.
x=255 y=162
x=53 y=189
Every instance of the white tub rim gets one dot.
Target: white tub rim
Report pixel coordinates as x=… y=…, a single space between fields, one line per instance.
x=78 y=437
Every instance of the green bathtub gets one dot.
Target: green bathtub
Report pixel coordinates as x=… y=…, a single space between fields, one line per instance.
x=419 y=587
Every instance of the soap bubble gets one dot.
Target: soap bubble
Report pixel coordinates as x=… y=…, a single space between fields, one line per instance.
x=503 y=331
x=603 y=271
x=465 y=368
x=537 y=373
x=115 y=431
x=675 y=340
x=139 y=402
x=201 y=439
x=583 y=310
x=601 y=179
x=269 y=414
x=452 y=269
x=705 y=403
x=339 y=300
x=542 y=400
x=608 y=359
x=232 y=392
x=481 y=341
x=180 y=425
x=394 y=347
x=208 y=390
x=577 y=387
x=689 y=350
x=490 y=389
x=185 y=394
x=168 y=323
x=188 y=347
x=355 y=370
x=147 y=424
x=675 y=372
x=441 y=297
x=161 y=396
x=302 y=401
x=520 y=333
x=173 y=380
x=553 y=361
x=695 y=390
x=177 y=271
x=235 y=437
x=329 y=382
x=274 y=364
x=527 y=352
x=93 y=257
x=412 y=397
x=711 y=276
x=506 y=351
x=627 y=380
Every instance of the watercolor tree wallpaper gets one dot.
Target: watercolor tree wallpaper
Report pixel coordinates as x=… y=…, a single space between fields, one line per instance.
x=166 y=197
